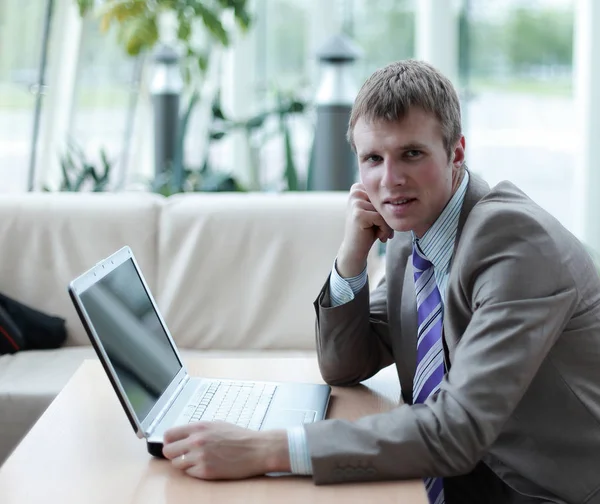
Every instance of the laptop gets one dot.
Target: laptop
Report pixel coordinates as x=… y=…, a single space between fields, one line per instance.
x=147 y=373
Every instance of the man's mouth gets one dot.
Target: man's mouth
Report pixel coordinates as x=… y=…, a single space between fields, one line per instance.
x=399 y=201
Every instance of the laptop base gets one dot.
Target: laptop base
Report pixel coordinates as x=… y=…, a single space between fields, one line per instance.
x=155 y=449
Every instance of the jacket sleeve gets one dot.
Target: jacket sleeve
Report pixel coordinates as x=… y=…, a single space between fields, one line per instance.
x=353 y=338
x=520 y=294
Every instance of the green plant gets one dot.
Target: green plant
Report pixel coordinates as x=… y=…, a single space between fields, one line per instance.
x=261 y=127
x=78 y=174
x=138 y=25
x=202 y=180
x=178 y=178
x=257 y=130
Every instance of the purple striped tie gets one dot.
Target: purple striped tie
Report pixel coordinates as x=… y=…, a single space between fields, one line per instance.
x=430 y=357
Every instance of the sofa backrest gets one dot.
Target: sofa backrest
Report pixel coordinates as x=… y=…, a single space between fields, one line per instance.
x=46 y=240
x=242 y=271
x=228 y=271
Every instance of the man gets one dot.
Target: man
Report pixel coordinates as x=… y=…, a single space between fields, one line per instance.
x=489 y=308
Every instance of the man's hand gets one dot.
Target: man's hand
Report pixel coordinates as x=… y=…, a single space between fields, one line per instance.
x=218 y=450
x=364 y=225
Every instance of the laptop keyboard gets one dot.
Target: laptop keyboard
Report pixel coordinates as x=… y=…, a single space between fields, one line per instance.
x=241 y=403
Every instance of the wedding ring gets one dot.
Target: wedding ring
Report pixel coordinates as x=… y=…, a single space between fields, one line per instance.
x=183 y=458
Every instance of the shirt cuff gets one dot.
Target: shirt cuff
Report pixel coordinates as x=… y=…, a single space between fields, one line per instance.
x=343 y=290
x=298 y=446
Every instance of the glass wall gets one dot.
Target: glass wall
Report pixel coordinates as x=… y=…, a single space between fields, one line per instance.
x=383 y=29
x=288 y=36
x=21 y=37
x=515 y=59
x=519 y=116
x=105 y=98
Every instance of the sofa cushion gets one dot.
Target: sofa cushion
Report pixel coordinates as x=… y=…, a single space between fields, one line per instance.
x=46 y=240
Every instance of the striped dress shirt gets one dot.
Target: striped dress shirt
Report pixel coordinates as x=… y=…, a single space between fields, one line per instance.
x=437 y=244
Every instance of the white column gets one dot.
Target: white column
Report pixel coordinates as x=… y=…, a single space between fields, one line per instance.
x=586 y=80
x=64 y=42
x=140 y=162
x=324 y=20
x=239 y=98
x=437 y=35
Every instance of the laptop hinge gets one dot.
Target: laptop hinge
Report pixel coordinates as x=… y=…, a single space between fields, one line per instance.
x=169 y=403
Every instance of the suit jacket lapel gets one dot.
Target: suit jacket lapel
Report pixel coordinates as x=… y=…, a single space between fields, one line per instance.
x=476 y=190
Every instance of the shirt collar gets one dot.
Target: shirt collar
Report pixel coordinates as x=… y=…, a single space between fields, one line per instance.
x=437 y=244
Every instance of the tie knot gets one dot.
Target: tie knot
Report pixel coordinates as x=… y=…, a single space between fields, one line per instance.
x=420 y=262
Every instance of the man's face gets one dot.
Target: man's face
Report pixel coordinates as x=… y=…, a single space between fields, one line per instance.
x=405 y=169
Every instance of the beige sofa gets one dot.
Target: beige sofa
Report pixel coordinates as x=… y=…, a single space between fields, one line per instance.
x=233 y=274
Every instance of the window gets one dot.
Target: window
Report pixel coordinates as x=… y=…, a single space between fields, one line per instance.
x=282 y=29
x=290 y=32
x=105 y=99
x=519 y=120
x=21 y=43
x=385 y=31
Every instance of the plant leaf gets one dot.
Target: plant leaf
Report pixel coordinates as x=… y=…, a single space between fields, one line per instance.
x=64 y=168
x=83 y=176
x=120 y=11
x=202 y=62
x=105 y=163
x=291 y=174
x=256 y=121
x=85 y=6
x=139 y=34
x=240 y=12
x=184 y=29
x=296 y=107
x=217 y=135
x=213 y=23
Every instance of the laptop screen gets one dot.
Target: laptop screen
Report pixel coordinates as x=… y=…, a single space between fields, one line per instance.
x=132 y=336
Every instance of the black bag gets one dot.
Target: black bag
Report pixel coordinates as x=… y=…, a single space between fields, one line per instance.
x=23 y=328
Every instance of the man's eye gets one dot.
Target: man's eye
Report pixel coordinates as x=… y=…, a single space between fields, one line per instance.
x=374 y=158
x=413 y=153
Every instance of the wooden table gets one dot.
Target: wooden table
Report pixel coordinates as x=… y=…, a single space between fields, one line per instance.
x=83 y=449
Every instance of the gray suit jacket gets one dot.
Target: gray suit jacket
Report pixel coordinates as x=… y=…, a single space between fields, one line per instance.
x=522 y=345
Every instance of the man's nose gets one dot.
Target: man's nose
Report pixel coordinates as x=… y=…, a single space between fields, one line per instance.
x=393 y=174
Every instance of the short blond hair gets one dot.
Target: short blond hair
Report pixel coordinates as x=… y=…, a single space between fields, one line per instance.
x=391 y=91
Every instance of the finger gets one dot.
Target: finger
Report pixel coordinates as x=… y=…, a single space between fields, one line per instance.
x=369 y=219
x=185 y=461
x=380 y=222
x=357 y=187
x=363 y=205
x=178 y=433
x=385 y=235
x=201 y=471
x=358 y=191
x=177 y=448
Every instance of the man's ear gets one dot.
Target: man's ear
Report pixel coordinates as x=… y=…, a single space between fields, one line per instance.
x=458 y=154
